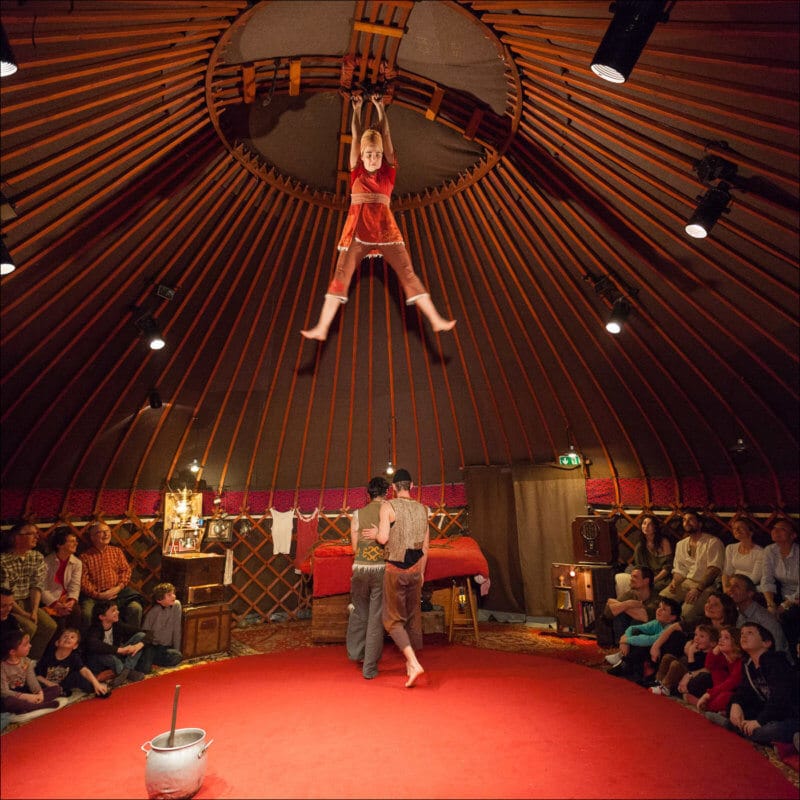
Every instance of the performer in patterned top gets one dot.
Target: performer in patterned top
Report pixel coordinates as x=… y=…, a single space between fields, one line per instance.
x=370 y=227
x=365 y=626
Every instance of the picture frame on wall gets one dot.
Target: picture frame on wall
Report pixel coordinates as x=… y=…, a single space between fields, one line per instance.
x=219 y=530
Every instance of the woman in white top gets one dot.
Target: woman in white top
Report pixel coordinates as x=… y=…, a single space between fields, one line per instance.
x=744 y=557
x=62 y=582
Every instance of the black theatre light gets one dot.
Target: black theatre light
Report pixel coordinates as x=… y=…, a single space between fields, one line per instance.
x=155 y=398
x=619 y=313
x=8 y=64
x=627 y=34
x=711 y=206
x=7 y=266
x=149 y=328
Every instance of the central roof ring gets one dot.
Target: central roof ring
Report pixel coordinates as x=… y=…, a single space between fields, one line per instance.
x=453 y=96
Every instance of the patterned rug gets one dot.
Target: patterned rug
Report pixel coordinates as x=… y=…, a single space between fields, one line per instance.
x=273 y=637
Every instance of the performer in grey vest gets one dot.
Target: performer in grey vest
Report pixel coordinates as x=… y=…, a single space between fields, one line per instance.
x=365 y=626
x=404 y=530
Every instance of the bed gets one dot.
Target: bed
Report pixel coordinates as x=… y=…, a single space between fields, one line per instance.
x=330 y=567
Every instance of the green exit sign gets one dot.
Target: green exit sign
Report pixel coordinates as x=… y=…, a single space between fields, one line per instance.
x=569 y=460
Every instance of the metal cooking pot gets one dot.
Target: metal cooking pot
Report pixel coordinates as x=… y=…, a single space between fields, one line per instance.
x=177 y=772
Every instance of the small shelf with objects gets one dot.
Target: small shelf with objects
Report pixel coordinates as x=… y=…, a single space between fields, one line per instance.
x=582 y=587
x=198 y=577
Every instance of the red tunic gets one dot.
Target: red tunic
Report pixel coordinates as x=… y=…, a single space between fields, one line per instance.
x=371 y=222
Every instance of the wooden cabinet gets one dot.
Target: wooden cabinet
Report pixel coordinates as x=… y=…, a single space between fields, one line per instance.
x=197 y=576
x=580 y=592
x=206 y=629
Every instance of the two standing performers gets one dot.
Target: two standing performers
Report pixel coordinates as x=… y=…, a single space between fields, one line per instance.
x=370 y=227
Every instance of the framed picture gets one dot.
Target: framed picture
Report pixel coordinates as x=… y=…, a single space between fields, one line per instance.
x=219 y=530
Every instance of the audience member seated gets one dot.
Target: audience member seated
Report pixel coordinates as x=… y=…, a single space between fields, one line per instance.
x=765 y=707
x=671 y=670
x=114 y=645
x=635 y=644
x=718 y=610
x=743 y=592
x=163 y=624
x=636 y=605
x=653 y=550
x=744 y=557
x=8 y=622
x=781 y=578
x=712 y=689
x=17 y=676
x=62 y=580
x=106 y=575
x=62 y=665
x=22 y=570
x=699 y=559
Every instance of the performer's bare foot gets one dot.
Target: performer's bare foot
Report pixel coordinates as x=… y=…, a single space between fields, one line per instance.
x=413 y=673
x=316 y=333
x=444 y=325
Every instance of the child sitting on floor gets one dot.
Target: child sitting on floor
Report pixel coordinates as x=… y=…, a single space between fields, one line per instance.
x=635 y=643
x=163 y=623
x=672 y=669
x=17 y=675
x=62 y=665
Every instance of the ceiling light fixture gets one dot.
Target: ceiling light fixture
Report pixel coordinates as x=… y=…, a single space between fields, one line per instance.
x=151 y=332
x=195 y=466
x=618 y=294
x=7 y=265
x=620 y=311
x=8 y=64
x=709 y=209
x=627 y=34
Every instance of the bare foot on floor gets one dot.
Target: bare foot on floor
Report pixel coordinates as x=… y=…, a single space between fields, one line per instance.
x=444 y=325
x=315 y=333
x=413 y=674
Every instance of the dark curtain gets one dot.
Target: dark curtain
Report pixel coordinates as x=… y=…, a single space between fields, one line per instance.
x=493 y=524
x=547 y=499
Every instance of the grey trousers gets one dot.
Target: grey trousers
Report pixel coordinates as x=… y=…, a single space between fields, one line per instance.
x=365 y=626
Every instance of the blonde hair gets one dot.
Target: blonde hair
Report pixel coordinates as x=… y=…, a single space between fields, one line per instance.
x=371 y=137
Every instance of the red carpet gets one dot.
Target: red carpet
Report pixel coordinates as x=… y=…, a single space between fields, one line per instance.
x=480 y=723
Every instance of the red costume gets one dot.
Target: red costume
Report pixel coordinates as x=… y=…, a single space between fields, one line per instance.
x=369 y=229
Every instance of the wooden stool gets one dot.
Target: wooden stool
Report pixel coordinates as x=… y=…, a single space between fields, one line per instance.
x=464 y=610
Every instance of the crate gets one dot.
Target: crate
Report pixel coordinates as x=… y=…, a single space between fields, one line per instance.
x=329 y=618
x=206 y=629
x=193 y=574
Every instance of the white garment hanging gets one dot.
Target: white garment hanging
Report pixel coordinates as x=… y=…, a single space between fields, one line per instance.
x=282 y=522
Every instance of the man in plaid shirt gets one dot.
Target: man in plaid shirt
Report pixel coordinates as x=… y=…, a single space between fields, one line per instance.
x=22 y=570
x=106 y=575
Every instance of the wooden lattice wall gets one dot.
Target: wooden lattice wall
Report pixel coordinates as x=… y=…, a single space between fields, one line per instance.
x=265 y=586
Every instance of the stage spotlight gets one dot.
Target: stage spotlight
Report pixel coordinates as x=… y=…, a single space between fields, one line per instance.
x=151 y=332
x=619 y=313
x=8 y=64
x=711 y=206
x=194 y=466
x=7 y=265
x=155 y=399
x=627 y=34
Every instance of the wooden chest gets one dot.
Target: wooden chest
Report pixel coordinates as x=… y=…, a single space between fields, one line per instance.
x=197 y=576
x=329 y=618
x=206 y=629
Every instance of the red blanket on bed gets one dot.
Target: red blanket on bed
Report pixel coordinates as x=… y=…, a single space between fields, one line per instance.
x=332 y=565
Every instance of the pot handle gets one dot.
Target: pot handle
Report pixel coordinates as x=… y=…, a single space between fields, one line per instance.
x=146 y=747
x=204 y=748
